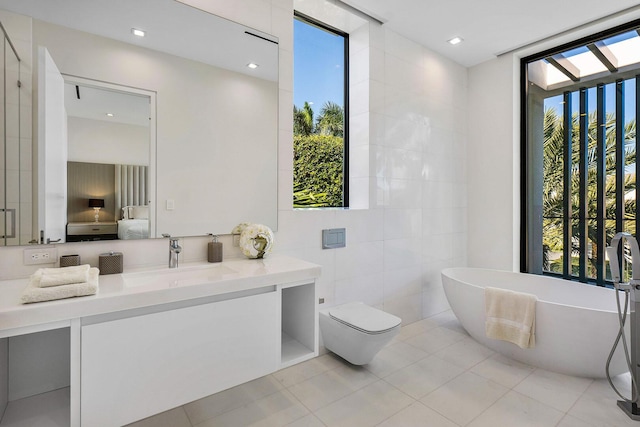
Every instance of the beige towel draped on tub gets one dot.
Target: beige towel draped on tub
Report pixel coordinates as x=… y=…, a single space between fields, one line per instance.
x=510 y=316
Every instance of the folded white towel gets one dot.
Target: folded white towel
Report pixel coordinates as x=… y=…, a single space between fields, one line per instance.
x=46 y=277
x=510 y=316
x=33 y=293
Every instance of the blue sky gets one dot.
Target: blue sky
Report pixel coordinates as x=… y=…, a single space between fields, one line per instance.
x=318 y=64
x=610 y=100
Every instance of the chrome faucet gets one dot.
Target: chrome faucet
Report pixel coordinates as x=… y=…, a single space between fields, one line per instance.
x=631 y=292
x=174 y=251
x=612 y=253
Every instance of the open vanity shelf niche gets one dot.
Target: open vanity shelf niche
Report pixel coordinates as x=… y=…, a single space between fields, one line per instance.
x=299 y=328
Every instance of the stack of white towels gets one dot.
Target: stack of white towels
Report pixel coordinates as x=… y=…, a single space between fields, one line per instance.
x=48 y=284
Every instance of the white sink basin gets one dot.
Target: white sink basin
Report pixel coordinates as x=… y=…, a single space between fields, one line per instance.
x=181 y=276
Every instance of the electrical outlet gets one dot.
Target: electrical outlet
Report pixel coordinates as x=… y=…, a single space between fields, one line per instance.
x=321 y=301
x=40 y=255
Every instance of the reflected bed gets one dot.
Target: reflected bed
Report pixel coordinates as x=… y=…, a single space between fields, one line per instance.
x=129 y=229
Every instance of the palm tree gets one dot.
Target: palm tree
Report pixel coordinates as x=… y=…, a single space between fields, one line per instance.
x=303 y=120
x=331 y=120
x=553 y=197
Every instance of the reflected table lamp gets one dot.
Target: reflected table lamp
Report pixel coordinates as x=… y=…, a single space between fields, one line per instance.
x=96 y=204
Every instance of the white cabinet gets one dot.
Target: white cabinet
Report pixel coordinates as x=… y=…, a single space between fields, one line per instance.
x=132 y=352
x=138 y=366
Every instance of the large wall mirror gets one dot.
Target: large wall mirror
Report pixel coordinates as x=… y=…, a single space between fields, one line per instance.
x=171 y=133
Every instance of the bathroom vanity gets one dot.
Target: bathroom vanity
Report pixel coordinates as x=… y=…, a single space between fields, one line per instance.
x=154 y=339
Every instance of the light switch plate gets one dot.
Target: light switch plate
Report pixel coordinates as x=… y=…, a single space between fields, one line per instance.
x=334 y=238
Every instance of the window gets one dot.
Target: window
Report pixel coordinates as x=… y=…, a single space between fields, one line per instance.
x=320 y=115
x=579 y=153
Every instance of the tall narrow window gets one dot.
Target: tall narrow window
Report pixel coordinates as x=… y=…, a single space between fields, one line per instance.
x=579 y=154
x=320 y=115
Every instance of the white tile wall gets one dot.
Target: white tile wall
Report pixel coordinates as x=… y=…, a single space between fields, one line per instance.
x=411 y=128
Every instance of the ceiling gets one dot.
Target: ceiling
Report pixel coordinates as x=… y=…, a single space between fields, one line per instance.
x=488 y=27
x=170 y=26
x=97 y=103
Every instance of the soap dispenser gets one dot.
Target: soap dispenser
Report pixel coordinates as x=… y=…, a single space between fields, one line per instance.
x=215 y=250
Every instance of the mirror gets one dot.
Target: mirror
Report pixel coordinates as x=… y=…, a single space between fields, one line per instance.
x=108 y=166
x=212 y=153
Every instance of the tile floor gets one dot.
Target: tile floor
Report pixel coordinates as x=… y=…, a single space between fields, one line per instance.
x=432 y=374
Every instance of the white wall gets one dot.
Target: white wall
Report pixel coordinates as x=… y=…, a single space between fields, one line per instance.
x=493 y=153
x=494 y=150
x=98 y=141
x=416 y=221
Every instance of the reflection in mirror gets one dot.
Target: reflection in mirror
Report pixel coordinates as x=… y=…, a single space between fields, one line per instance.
x=215 y=133
x=108 y=160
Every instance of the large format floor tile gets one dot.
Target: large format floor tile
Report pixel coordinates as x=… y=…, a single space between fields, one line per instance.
x=465 y=353
x=277 y=409
x=556 y=390
x=423 y=377
x=297 y=373
x=465 y=397
x=503 y=370
x=174 y=418
x=367 y=407
x=597 y=405
x=394 y=357
x=432 y=374
x=321 y=390
x=230 y=399
x=515 y=409
x=417 y=415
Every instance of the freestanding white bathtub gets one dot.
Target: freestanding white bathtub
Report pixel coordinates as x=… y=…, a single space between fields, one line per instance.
x=576 y=324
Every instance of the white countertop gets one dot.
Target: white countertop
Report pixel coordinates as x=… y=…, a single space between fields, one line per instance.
x=144 y=287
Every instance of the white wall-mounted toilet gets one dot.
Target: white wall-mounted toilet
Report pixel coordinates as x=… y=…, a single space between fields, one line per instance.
x=357 y=332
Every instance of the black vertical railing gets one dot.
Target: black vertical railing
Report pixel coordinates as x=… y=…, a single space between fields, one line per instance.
x=567 y=160
x=620 y=161
x=601 y=176
x=345 y=124
x=583 y=170
x=620 y=158
x=576 y=229
x=582 y=227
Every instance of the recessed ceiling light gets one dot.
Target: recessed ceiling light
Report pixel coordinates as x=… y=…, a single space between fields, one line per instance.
x=252 y=65
x=137 y=32
x=456 y=40
x=109 y=114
